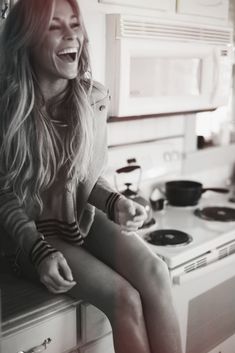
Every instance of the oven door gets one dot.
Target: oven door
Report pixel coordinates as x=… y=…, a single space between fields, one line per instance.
x=205 y=303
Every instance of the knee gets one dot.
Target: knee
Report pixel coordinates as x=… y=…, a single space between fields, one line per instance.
x=156 y=271
x=128 y=305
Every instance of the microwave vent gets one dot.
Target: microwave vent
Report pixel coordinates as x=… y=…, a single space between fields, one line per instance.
x=150 y=28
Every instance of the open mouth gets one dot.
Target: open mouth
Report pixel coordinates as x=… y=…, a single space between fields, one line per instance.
x=68 y=55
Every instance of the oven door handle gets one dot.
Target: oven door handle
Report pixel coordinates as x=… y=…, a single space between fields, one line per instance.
x=187 y=277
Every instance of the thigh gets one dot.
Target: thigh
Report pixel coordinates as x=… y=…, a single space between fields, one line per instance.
x=129 y=255
x=97 y=283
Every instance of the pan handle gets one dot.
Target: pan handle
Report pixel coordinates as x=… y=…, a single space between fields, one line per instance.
x=220 y=190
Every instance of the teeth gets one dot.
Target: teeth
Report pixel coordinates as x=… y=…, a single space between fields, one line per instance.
x=68 y=51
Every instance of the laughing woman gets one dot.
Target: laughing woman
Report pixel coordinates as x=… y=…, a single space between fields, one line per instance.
x=61 y=223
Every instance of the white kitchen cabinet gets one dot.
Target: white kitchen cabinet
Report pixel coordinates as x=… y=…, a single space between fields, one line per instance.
x=225 y=347
x=60 y=329
x=164 y=5
x=104 y=344
x=209 y=8
x=94 y=323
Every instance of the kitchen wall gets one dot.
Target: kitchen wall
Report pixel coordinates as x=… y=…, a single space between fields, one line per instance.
x=212 y=125
x=232 y=20
x=232 y=15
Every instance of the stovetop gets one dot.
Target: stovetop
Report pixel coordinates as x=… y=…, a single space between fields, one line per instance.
x=161 y=161
x=207 y=236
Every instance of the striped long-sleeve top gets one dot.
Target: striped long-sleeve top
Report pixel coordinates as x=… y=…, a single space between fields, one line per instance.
x=67 y=212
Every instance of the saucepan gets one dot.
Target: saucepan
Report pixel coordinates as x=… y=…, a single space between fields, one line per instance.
x=187 y=192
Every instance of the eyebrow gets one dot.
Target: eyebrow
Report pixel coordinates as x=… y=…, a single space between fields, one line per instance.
x=59 y=19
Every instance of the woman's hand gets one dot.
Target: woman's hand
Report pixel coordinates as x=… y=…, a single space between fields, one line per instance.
x=129 y=215
x=55 y=273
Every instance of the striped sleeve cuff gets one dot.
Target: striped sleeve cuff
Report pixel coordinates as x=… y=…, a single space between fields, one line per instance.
x=110 y=203
x=41 y=249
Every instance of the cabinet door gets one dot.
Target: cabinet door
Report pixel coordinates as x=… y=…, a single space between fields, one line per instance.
x=165 y=5
x=208 y=8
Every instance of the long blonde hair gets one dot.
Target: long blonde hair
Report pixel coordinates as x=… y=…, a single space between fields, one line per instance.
x=30 y=153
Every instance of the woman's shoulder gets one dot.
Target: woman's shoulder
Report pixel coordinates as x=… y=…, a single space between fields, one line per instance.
x=98 y=92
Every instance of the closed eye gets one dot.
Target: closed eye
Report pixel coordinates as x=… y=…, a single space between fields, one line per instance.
x=75 y=25
x=54 y=27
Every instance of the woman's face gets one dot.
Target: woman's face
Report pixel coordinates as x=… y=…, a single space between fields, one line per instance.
x=58 y=55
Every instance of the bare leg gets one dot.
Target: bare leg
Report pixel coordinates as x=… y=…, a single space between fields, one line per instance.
x=101 y=286
x=132 y=259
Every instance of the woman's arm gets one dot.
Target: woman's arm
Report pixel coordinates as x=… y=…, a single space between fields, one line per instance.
x=22 y=229
x=104 y=197
x=125 y=212
x=52 y=267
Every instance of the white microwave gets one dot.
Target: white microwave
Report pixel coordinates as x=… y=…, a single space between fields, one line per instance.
x=156 y=67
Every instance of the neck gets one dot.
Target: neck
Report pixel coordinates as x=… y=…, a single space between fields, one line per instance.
x=51 y=89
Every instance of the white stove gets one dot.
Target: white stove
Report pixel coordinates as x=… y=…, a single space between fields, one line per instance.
x=209 y=240
x=202 y=270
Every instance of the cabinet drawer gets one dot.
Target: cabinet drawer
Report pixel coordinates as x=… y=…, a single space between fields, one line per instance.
x=94 y=323
x=61 y=329
x=208 y=8
x=103 y=345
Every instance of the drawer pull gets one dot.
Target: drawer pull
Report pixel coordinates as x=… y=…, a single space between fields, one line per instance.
x=38 y=349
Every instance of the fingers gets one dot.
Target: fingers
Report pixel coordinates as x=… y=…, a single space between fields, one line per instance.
x=130 y=206
x=128 y=233
x=134 y=225
x=52 y=287
x=140 y=211
x=55 y=274
x=56 y=284
x=130 y=215
x=66 y=271
x=131 y=225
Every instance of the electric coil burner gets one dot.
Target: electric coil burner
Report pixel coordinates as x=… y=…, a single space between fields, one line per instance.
x=168 y=237
x=221 y=214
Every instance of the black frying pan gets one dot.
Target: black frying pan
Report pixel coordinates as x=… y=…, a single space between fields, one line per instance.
x=186 y=192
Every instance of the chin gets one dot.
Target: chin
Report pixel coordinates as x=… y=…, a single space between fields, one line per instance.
x=69 y=76
x=72 y=77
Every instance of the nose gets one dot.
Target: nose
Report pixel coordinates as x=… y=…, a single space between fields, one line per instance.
x=69 y=33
